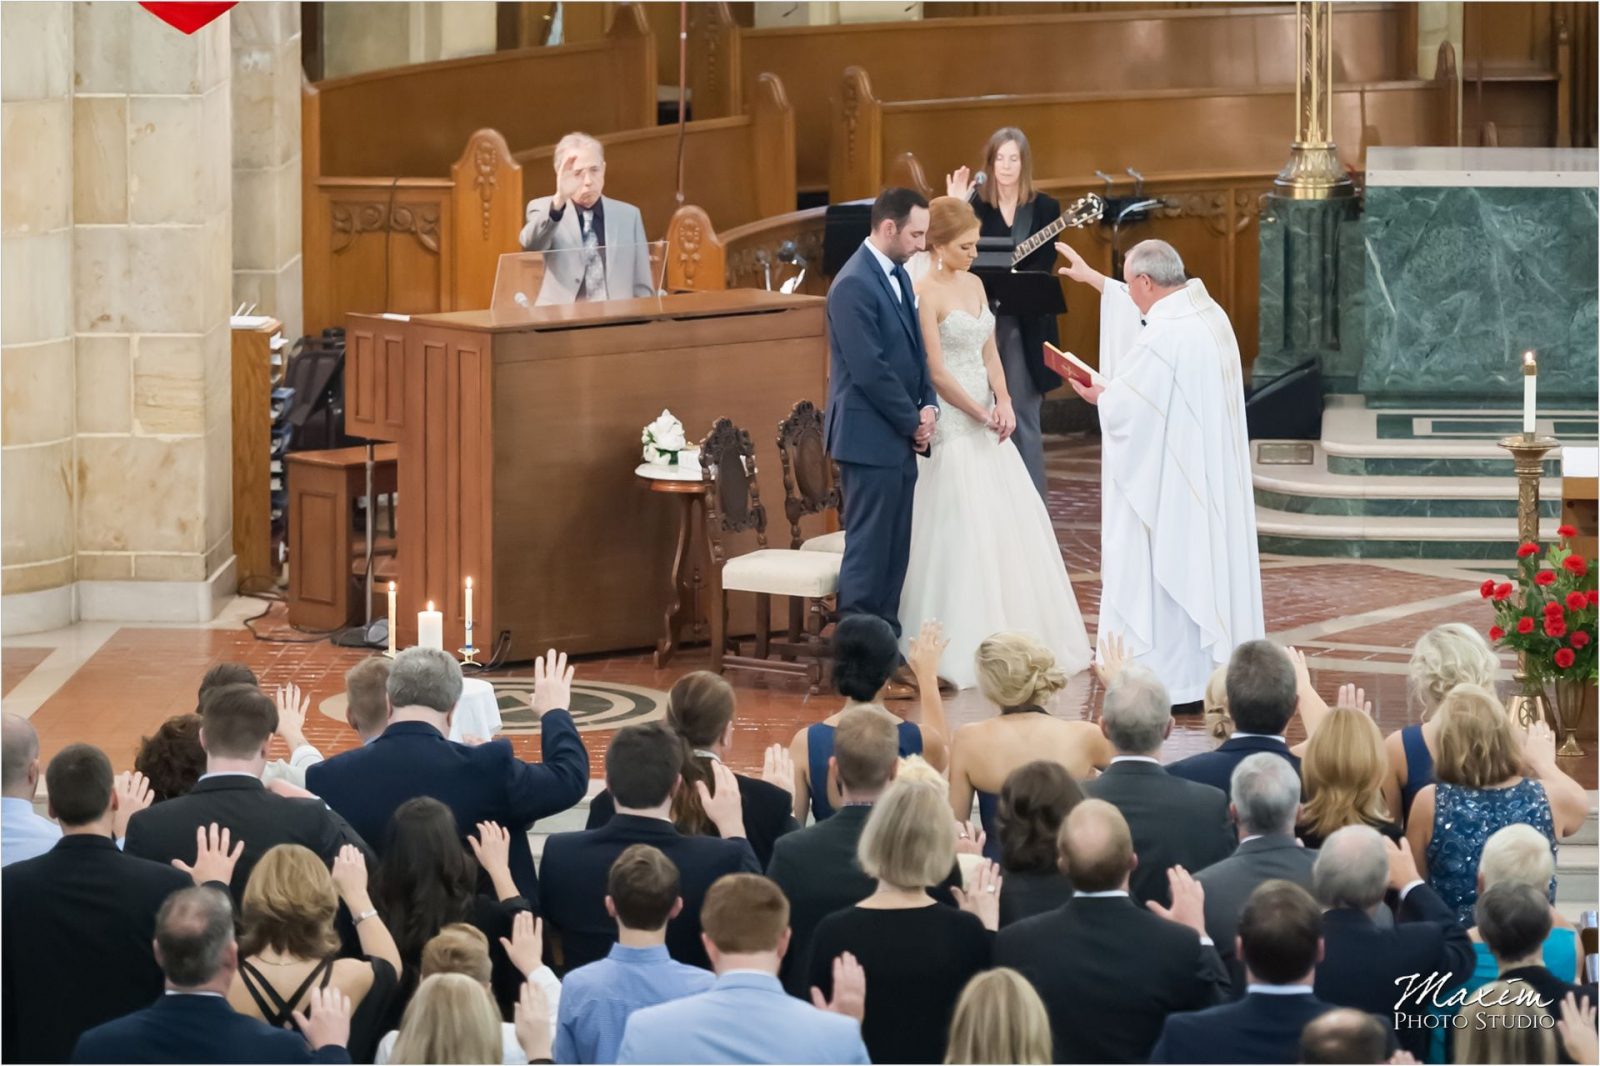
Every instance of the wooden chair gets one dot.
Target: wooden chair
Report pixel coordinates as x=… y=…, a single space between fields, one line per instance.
x=810 y=480
x=733 y=505
x=696 y=258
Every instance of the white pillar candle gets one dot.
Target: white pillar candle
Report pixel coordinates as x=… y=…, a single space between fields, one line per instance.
x=1530 y=391
x=430 y=628
x=469 y=612
x=391 y=618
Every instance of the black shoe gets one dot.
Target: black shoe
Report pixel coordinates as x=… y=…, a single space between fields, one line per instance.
x=1197 y=707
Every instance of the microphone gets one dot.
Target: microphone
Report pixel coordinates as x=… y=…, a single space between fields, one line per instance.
x=977 y=183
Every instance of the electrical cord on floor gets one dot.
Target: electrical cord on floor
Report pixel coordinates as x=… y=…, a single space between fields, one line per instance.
x=312 y=636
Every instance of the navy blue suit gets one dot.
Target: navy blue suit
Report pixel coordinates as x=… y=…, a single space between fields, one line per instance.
x=487 y=783
x=196 y=1028
x=1215 y=768
x=877 y=387
x=1258 y=1028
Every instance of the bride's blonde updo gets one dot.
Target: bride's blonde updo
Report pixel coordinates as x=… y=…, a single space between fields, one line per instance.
x=1014 y=670
x=948 y=218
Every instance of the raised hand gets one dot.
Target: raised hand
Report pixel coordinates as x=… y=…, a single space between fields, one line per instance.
x=292 y=708
x=567 y=181
x=724 y=808
x=328 y=1022
x=525 y=949
x=1355 y=697
x=984 y=900
x=492 y=846
x=1402 y=864
x=552 y=684
x=1188 y=901
x=925 y=651
x=213 y=860
x=958 y=183
x=1539 y=746
x=1113 y=657
x=1577 y=1028
x=350 y=875
x=849 y=989
x=777 y=768
x=133 y=795
x=532 y=1022
x=970 y=838
x=1077 y=269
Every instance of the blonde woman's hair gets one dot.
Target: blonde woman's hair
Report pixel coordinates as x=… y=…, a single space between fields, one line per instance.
x=1014 y=670
x=1493 y=1030
x=999 y=1018
x=909 y=840
x=948 y=218
x=1517 y=854
x=1218 y=722
x=288 y=906
x=450 y=1019
x=458 y=948
x=1444 y=657
x=916 y=768
x=1478 y=747
x=1344 y=770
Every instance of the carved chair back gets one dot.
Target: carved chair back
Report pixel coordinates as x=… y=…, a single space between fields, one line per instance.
x=810 y=482
x=733 y=499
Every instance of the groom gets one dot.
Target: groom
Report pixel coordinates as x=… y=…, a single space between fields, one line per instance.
x=881 y=404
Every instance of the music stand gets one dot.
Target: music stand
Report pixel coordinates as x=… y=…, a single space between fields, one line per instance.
x=1017 y=292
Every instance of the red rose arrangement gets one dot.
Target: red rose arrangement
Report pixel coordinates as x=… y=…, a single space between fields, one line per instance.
x=1549 y=613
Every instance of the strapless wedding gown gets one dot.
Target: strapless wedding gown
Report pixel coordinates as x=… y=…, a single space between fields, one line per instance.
x=984 y=557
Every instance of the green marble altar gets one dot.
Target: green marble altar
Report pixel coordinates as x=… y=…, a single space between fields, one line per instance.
x=1310 y=280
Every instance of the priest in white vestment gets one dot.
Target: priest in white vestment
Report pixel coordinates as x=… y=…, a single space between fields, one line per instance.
x=1180 y=574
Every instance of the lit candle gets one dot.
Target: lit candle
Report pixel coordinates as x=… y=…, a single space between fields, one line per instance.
x=430 y=628
x=469 y=612
x=391 y=619
x=1530 y=391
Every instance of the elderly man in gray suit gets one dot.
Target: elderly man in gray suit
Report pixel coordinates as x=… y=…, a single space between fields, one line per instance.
x=595 y=246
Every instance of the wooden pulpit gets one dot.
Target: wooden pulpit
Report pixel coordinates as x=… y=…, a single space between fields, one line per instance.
x=518 y=438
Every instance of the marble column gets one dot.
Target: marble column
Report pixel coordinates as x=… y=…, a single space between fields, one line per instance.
x=37 y=368
x=1304 y=288
x=266 y=160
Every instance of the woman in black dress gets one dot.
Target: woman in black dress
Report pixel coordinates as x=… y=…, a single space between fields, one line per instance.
x=1034 y=801
x=1008 y=205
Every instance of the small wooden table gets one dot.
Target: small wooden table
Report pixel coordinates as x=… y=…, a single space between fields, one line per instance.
x=686 y=485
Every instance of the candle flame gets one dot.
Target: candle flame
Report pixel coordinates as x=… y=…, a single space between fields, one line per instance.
x=1528 y=358
x=469 y=582
x=391 y=586
x=430 y=605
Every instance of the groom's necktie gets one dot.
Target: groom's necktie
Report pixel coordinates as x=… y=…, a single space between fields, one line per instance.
x=907 y=307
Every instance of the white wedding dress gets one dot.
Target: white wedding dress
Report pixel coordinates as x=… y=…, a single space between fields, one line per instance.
x=984 y=557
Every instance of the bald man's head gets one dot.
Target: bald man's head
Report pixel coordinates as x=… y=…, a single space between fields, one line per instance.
x=1344 y=1035
x=1095 y=846
x=19 y=757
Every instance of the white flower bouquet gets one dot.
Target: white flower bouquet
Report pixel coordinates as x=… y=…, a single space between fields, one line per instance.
x=663 y=440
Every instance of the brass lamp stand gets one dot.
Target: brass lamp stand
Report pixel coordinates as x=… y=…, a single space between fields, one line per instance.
x=1527 y=453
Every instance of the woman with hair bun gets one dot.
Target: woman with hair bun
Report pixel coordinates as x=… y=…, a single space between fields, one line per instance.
x=1020 y=675
x=1034 y=801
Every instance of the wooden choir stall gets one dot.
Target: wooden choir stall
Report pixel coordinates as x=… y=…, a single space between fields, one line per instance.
x=518 y=436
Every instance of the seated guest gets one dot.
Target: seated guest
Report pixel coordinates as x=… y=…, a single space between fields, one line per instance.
x=288 y=945
x=1034 y=801
x=1280 y=941
x=172 y=759
x=1266 y=804
x=700 y=710
x=865 y=656
x=488 y=783
x=193 y=1022
x=595 y=245
x=643 y=771
x=1263 y=692
x=596 y=1000
x=236 y=729
x=81 y=900
x=23 y=833
x=1368 y=967
x=1487 y=778
x=1343 y=773
x=426 y=880
x=1500 y=1025
x=1109 y=969
x=746 y=1017
x=1444 y=657
x=918 y=955
x=1344 y=1036
x=999 y=1018
x=366 y=709
x=1020 y=675
x=1514 y=920
x=1174 y=821
x=817 y=867
x=452 y=1018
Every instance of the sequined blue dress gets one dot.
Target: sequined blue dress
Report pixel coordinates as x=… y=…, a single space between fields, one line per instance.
x=1463 y=818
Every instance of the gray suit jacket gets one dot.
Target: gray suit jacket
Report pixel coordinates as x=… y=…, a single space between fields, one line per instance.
x=628 y=273
x=1228 y=885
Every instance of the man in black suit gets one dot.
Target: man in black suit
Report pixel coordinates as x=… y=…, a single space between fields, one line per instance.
x=77 y=920
x=1280 y=940
x=1174 y=822
x=642 y=772
x=488 y=783
x=1366 y=966
x=237 y=727
x=1108 y=969
x=1266 y=804
x=192 y=1021
x=1263 y=694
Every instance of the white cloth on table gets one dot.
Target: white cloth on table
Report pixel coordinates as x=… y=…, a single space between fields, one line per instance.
x=477 y=712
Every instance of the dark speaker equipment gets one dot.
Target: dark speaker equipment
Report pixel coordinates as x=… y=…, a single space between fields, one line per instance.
x=1289 y=407
x=844 y=227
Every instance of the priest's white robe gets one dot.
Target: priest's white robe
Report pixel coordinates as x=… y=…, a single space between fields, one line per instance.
x=1180 y=573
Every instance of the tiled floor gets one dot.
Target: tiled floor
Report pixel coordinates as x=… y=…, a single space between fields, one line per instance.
x=1356 y=620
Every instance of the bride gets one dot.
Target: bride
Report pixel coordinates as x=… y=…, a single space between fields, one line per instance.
x=984 y=557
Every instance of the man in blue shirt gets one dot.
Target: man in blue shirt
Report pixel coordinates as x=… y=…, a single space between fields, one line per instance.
x=23 y=833
x=596 y=1000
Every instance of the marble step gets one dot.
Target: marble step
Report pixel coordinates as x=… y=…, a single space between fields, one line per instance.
x=1314 y=489
x=1434 y=442
x=1577 y=870
x=1391 y=537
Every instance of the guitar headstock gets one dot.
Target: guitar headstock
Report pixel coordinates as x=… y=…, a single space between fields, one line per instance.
x=1084 y=210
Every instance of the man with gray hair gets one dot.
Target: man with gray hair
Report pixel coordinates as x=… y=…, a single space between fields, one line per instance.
x=1174 y=822
x=1265 y=793
x=596 y=250
x=23 y=833
x=193 y=1022
x=413 y=756
x=1366 y=964
x=1180 y=573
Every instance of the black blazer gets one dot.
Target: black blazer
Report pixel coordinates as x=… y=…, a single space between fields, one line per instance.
x=77 y=924
x=576 y=866
x=1362 y=963
x=1215 y=768
x=1109 y=971
x=1228 y=885
x=196 y=1028
x=1174 y=822
x=817 y=870
x=768 y=814
x=1030 y=893
x=238 y=802
x=1035 y=329
x=1258 y=1028
x=487 y=783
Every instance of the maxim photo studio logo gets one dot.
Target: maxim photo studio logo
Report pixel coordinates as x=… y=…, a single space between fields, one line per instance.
x=1423 y=1004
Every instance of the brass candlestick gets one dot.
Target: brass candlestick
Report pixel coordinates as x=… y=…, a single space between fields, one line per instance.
x=1527 y=454
x=1313 y=171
